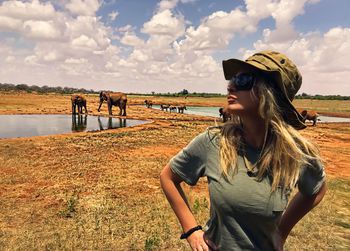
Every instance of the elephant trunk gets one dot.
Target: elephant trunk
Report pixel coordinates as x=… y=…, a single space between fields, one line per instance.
x=99 y=107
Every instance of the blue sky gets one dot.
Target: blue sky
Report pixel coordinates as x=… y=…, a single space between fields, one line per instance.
x=169 y=45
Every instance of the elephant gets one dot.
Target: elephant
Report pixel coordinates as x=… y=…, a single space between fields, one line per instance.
x=310 y=115
x=224 y=114
x=172 y=108
x=164 y=107
x=116 y=98
x=79 y=123
x=148 y=103
x=80 y=101
x=181 y=108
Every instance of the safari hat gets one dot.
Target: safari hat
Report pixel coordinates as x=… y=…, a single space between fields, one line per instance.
x=279 y=68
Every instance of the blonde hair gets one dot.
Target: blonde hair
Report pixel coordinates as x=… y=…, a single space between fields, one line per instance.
x=284 y=150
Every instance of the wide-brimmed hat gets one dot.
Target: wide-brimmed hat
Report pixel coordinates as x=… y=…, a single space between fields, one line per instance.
x=282 y=71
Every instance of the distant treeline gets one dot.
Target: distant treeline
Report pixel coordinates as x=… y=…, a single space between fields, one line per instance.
x=322 y=97
x=183 y=93
x=180 y=94
x=43 y=89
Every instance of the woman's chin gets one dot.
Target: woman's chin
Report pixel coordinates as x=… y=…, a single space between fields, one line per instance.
x=234 y=108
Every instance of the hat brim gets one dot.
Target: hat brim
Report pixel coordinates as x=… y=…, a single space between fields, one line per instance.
x=290 y=115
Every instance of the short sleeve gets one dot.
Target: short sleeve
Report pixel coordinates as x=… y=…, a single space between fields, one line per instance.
x=311 y=177
x=190 y=162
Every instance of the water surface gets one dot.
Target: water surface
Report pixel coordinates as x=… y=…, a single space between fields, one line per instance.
x=12 y=126
x=214 y=112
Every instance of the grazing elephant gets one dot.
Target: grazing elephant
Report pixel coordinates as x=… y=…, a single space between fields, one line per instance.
x=310 y=115
x=148 y=103
x=80 y=101
x=181 y=108
x=114 y=98
x=164 y=107
x=224 y=114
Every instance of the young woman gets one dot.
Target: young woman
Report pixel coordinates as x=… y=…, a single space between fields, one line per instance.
x=251 y=163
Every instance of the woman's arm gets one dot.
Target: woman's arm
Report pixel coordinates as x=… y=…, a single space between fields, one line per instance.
x=170 y=183
x=297 y=208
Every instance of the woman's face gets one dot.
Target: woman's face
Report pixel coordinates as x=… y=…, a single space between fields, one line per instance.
x=239 y=100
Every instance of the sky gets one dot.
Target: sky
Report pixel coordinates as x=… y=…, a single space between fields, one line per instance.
x=145 y=46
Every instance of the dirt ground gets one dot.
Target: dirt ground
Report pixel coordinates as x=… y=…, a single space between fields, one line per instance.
x=87 y=191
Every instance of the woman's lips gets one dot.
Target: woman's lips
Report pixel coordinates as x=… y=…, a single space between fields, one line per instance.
x=231 y=100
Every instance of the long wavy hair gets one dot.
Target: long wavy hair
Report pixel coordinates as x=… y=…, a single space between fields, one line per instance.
x=284 y=150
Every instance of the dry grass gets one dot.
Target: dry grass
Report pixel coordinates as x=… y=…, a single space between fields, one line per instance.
x=100 y=191
x=342 y=106
x=327 y=227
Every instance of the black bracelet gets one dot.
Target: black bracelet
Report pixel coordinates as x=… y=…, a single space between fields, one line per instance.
x=191 y=231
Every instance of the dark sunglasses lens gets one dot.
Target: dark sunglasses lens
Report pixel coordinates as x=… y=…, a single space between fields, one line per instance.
x=243 y=81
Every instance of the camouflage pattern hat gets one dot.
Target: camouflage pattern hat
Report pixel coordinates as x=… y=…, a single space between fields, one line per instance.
x=284 y=74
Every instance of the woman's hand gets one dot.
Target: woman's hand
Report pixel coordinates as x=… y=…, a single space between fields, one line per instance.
x=196 y=241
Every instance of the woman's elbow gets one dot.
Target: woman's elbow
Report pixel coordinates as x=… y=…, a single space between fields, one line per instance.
x=167 y=175
x=321 y=193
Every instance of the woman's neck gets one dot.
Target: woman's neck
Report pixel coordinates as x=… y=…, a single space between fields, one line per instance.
x=254 y=131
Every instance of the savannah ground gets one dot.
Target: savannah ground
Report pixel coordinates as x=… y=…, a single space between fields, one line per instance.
x=100 y=190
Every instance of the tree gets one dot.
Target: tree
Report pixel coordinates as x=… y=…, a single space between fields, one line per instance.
x=184 y=92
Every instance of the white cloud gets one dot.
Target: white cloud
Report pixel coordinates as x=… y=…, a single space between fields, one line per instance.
x=76 y=60
x=10 y=24
x=51 y=56
x=34 y=10
x=130 y=38
x=321 y=58
x=31 y=60
x=126 y=28
x=284 y=12
x=72 y=45
x=10 y=59
x=113 y=15
x=166 y=5
x=90 y=27
x=138 y=56
x=83 y=68
x=83 y=7
x=84 y=42
x=165 y=23
x=41 y=30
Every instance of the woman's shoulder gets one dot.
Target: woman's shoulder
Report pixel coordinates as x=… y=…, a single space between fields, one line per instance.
x=210 y=136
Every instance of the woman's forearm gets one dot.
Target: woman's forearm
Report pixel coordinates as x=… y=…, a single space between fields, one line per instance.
x=170 y=183
x=297 y=208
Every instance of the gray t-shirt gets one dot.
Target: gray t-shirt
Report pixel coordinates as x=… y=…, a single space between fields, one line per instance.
x=244 y=214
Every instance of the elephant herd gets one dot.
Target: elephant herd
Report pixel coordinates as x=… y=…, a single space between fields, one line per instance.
x=173 y=108
x=113 y=99
x=120 y=99
x=306 y=114
x=166 y=107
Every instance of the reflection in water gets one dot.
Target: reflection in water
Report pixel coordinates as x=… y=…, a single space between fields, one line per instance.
x=79 y=122
x=12 y=126
x=111 y=123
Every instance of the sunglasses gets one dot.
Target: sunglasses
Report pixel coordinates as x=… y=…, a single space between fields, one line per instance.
x=242 y=82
